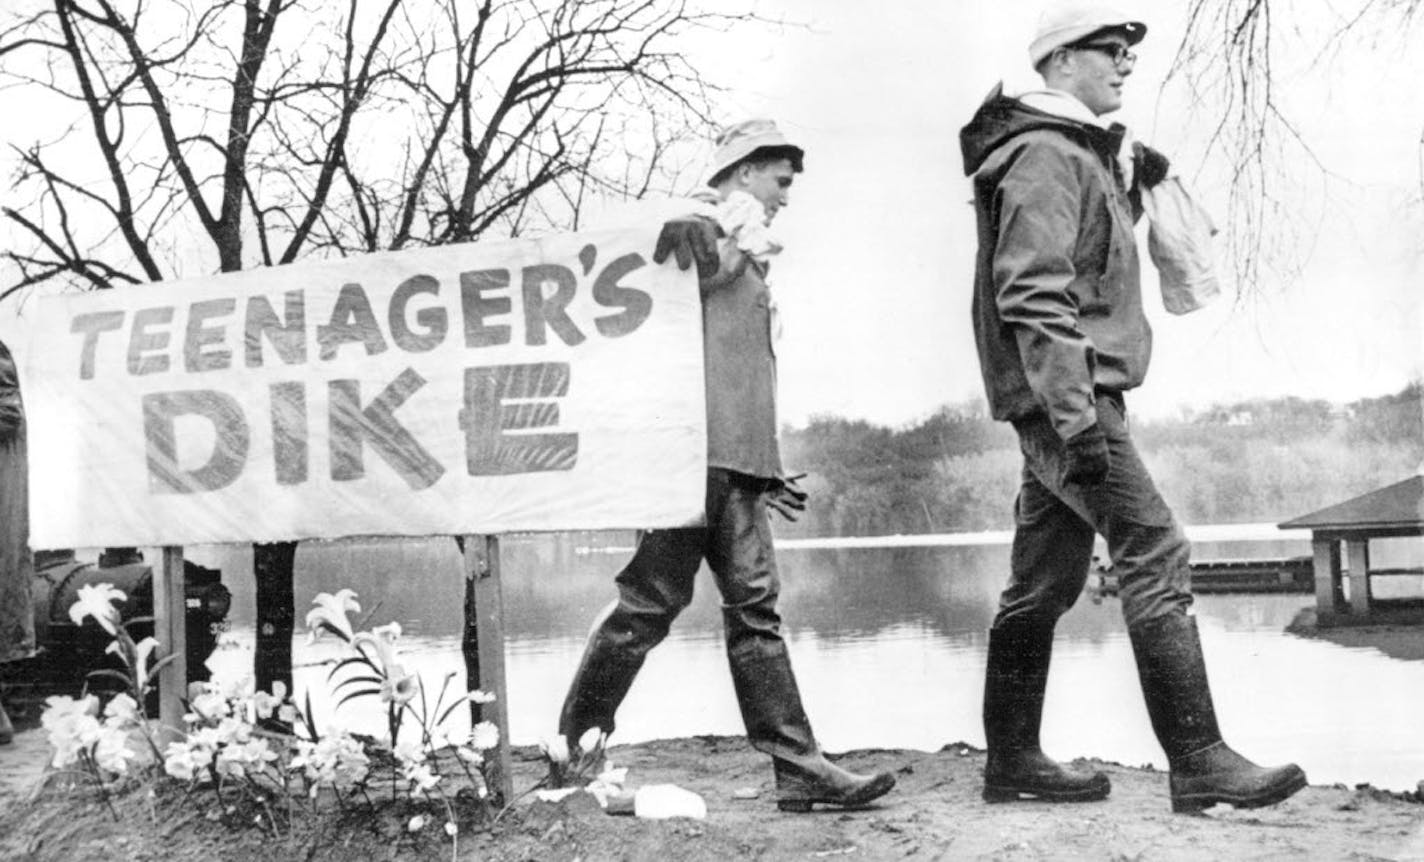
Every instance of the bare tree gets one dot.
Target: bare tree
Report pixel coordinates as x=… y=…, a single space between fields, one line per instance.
x=215 y=135
x=1229 y=57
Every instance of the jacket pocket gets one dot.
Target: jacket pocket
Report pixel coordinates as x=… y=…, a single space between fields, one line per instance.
x=1105 y=279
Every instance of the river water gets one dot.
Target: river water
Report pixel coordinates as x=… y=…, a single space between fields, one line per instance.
x=888 y=641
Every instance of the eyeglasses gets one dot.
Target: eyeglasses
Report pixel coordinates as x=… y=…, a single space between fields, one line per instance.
x=1115 y=52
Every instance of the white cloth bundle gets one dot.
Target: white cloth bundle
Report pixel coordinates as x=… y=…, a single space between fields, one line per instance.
x=1179 y=242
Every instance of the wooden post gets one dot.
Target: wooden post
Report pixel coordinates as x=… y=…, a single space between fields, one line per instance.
x=272 y=571
x=1328 y=594
x=483 y=646
x=1359 y=551
x=170 y=626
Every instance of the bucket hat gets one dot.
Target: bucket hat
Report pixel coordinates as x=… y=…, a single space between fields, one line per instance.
x=740 y=140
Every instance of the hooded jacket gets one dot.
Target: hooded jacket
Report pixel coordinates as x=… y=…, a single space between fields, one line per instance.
x=1057 y=297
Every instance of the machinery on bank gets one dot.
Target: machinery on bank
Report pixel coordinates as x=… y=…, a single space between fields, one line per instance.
x=68 y=652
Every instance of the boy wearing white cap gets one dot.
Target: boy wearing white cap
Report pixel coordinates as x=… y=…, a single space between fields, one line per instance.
x=1061 y=335
x=751 y=176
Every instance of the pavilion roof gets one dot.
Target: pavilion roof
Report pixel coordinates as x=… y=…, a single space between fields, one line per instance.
x=1397 y=505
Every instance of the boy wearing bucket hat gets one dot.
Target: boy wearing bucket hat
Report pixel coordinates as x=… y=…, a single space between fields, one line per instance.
x=1061 y=336
x=750 y=178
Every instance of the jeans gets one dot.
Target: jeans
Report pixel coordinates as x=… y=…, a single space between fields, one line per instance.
x=1055 y=523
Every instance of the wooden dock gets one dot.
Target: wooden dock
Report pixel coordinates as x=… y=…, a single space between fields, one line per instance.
x=1282 y=575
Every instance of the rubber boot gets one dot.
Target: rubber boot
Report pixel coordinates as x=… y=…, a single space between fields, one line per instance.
x=7 y=730
x=777 y=725
x=1204 y=769
x=604 y=676
x=800 y=785
x=1014 y=687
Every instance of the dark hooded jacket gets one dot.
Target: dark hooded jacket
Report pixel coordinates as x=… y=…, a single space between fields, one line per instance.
x=1057 y=297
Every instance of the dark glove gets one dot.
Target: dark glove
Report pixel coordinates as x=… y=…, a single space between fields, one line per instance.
x=786 y=498
x=1086 y=454
x=690 y=239
x=1149 y=166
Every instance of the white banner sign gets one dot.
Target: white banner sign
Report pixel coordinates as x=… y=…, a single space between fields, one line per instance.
x=553 y=384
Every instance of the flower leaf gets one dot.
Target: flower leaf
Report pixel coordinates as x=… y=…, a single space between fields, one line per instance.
x=347 y=662
x=364 y=692
x=375 y=680
x=111 y=674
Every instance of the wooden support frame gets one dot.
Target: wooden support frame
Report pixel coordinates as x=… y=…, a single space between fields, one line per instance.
x=1329 y=597
x=483 y=647
x=1358 y=550
x=170 y=627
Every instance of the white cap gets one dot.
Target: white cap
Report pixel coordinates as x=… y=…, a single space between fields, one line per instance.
x=1065 y=23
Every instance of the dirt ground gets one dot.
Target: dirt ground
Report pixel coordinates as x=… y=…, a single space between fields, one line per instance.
x=934 y=813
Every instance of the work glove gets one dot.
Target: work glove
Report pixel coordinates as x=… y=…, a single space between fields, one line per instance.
x=690 y=239
x=1149 y=166
x=1086 y=455
x=787 y=498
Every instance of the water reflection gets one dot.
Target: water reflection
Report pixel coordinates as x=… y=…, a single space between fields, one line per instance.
x=889 y=649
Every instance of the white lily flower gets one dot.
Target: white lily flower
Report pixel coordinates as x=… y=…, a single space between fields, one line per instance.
x=556 y=749
x=416 y=823
x=144 y=651
x=383 y=641
x=451 y=829
x=330 y=613
x=96 y=600
x=591 y=739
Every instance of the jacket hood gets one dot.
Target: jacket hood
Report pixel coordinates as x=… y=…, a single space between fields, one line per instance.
x=1001 y=118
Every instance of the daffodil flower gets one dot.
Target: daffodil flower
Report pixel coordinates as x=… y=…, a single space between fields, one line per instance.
x=469 y=755
x=264 y=704
x=120 y=710
x=96 y=600
x=485 y=736
x=330 y=612
x=399 y=686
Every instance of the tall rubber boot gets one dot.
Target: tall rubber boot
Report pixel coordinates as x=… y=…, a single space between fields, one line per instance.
x=604 y=676
x=1014 y=687
x=1204 y=769
x=777 y=725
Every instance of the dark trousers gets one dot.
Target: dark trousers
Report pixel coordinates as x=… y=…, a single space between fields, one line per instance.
x=1055 y=523
x=657 y=585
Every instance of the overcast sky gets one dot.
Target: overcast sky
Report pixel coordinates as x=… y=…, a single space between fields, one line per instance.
x=875 y=282
x=876 y=278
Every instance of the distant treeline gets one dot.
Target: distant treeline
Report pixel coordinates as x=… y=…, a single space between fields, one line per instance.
x=1264 y=460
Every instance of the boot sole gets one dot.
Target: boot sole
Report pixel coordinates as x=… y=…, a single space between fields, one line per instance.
x=994 y=795
x=1199 y=802
x=881 y=785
